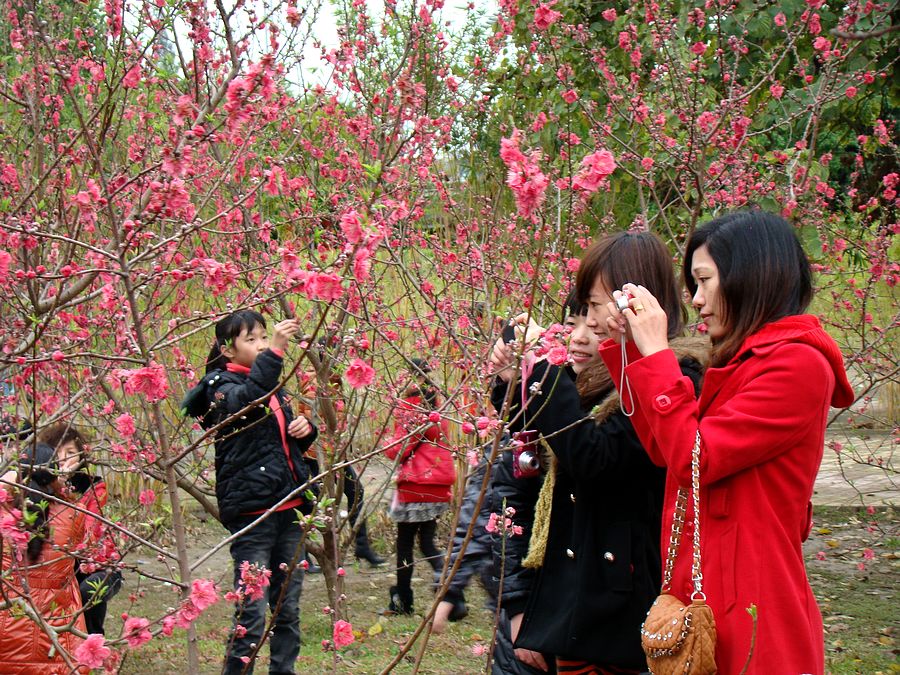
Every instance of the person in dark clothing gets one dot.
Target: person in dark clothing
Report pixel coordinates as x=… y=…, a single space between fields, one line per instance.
x=97 y=586
x=477 y=558
x=596 y=540
x=259 y=466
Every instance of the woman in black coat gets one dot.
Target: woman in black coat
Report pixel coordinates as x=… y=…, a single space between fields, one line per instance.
x=596 y=541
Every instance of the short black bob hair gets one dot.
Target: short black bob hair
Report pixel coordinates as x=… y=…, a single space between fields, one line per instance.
x=764 y=274
x=227 y=331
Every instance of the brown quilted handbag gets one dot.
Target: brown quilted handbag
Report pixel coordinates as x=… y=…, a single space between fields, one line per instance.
x=678 y=638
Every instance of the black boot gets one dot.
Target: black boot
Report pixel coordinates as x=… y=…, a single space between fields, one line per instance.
x=364 y=549
x=401 y=601
x=313 y=568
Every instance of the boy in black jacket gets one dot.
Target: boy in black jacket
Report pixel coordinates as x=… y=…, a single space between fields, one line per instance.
x=259 y=466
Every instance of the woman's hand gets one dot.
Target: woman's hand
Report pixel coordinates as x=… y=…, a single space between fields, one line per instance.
x=532 y=658
x=300 y=427
x=441 y=617
x=644 y=319
x=502 y=358
x=282 y=333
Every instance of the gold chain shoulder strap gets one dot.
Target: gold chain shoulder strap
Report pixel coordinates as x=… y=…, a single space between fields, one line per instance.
x=678 y=528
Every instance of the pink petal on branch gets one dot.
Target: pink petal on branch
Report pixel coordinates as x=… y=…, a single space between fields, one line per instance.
x=92 y=652
x=359 y=374
x=342 y=634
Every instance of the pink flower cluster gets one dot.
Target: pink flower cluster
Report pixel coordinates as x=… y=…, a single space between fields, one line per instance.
x=150 y=381
x=252 y=584
x=93 y=651
x=503 y=524
x=359 y=374
x=594 y=170
x=524 y=176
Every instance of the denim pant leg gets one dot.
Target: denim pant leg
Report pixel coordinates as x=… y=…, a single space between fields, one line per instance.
x=284 y=644
x=266 y=546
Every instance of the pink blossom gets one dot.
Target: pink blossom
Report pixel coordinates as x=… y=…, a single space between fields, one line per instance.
x=5 y=261
x=351 y=227
x=544 y=16
x=822 y=43
x=150 y=381
x=570 y=96
x=359 y=374
x=186 y=615
x=776 y=90
x=468 y=428
x=509 y=149
x=253 y=580
x=147 y=497
x=609 y=14
x=850 y=92
x=478 y=650
x=558 y=355
x=4 y=496
x=221 y=277
x=539 y=122
x=203 y=593
x=324 y=286
x=342 y=634
x=594 y=169
x=341 y=572
x=698 y=48
x=10 y=528
x=168 y=625
x=780 y=19
x=434 y=417
x=92 y=652
x=135 y=631
x=133 y=77
x=125 y=425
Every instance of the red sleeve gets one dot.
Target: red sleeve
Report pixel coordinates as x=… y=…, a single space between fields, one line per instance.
x=611 y=353
x=768 y=415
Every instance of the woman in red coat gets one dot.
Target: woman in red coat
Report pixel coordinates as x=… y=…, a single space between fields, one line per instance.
x=425 y=474
x=761 y=414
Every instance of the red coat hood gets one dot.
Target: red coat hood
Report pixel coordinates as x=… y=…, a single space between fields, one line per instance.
x=805 y=329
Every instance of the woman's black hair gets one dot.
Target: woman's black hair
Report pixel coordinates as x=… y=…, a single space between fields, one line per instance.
x=227 y=331
x=38 y=473
x=573 y=306
x=764 y=274
x=639 y=258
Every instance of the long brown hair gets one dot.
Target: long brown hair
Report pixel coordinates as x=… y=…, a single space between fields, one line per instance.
x=638 y=258
x=764 y=274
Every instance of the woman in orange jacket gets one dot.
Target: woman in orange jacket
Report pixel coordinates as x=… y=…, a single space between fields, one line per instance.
x=38 y=576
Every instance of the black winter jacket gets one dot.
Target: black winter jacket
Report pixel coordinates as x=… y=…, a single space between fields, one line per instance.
x=477 y=557
x=521 y=495
x=602 y=565
x=252 y=469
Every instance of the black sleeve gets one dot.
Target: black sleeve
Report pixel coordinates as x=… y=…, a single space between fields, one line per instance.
x=583 y=448
x=263 y=378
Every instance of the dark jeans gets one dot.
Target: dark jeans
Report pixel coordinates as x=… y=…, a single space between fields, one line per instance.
x=271 y=544
x=406 y=537
x=96 y=591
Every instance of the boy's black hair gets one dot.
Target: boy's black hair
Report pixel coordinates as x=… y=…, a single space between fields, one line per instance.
x=227 y=331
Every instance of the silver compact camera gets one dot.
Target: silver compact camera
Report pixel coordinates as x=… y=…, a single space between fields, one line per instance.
x=622 y=301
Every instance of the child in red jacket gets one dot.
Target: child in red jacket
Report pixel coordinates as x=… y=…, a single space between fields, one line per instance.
x=425 y=474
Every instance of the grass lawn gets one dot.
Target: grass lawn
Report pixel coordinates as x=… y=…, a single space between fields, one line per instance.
x=859 y=607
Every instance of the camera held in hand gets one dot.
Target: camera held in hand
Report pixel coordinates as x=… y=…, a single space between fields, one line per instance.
x=525 y=454
x=622 y=300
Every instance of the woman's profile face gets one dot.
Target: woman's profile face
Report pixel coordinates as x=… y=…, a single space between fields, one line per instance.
x=583 y=343
x=598 y=310
x=706 y=299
